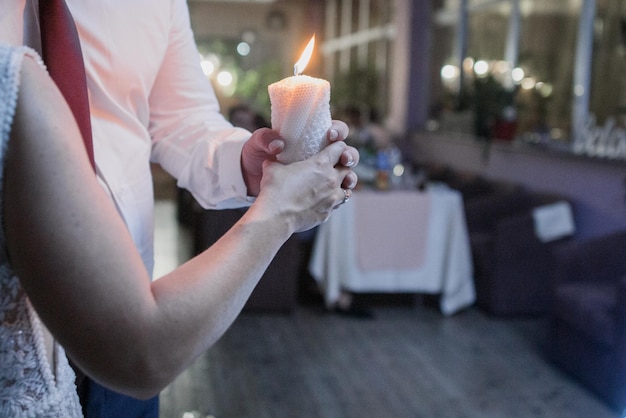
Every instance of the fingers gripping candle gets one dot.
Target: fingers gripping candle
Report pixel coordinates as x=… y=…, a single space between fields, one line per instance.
x=300 y=107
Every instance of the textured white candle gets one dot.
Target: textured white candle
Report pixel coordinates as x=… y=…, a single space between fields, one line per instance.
x=300 y=107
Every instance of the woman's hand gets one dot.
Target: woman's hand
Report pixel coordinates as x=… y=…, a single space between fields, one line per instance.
x=303 y=194
x=266 y=144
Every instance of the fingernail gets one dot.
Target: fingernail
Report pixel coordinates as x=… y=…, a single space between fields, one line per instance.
x=275 y=145
x=334 y=134
x=350 y=161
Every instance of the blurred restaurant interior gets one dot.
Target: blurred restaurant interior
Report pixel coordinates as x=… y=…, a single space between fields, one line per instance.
x=481 y=256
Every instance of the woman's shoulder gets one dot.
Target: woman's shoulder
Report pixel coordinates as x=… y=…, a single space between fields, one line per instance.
x=11 y=59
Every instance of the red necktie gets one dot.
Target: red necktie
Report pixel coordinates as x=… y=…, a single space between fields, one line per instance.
x=60 y=50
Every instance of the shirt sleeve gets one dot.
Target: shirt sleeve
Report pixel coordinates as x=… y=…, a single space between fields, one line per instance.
x=191 y=140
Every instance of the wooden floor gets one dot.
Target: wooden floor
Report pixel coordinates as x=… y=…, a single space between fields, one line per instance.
x=408 y=361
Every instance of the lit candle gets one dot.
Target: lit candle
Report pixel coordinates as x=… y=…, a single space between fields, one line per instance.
x=300 y=107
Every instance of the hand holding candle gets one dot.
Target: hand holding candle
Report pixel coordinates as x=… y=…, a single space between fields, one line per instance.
x=300 y=107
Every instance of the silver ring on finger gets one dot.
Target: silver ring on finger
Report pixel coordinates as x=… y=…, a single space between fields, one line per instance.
x=347 y=194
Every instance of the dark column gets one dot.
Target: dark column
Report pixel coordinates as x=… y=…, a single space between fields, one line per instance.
x=419 y=65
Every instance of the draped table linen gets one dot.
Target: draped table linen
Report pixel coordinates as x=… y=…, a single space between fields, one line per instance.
x=397 y=242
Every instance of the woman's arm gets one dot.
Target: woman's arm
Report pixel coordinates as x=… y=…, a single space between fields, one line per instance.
x=81 y=270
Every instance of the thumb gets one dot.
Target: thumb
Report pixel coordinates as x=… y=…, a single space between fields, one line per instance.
x=265 y=142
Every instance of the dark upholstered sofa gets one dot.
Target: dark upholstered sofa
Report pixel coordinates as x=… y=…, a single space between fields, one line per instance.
x=277 y=291
x=512 y=266
x=588 y=315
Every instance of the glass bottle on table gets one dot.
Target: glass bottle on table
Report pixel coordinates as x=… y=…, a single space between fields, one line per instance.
x=382 y=170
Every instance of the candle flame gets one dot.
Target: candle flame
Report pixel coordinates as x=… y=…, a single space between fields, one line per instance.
x=304 y=58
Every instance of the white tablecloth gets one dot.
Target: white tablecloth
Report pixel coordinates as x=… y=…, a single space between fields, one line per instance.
x=442 y=262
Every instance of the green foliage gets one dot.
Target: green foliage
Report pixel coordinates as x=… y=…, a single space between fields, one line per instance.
x=490 y=99
x=252 y=85
x=358 y=87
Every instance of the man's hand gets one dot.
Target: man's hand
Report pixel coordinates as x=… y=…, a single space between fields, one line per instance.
x=266 y=144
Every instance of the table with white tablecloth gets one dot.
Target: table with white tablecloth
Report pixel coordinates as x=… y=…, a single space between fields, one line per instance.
x=397 y=242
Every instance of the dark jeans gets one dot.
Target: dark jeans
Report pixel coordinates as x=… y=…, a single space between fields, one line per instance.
x=100 y=402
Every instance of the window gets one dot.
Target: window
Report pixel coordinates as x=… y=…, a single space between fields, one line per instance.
x=357 y=48
x=530 y=70
x=608 y=82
